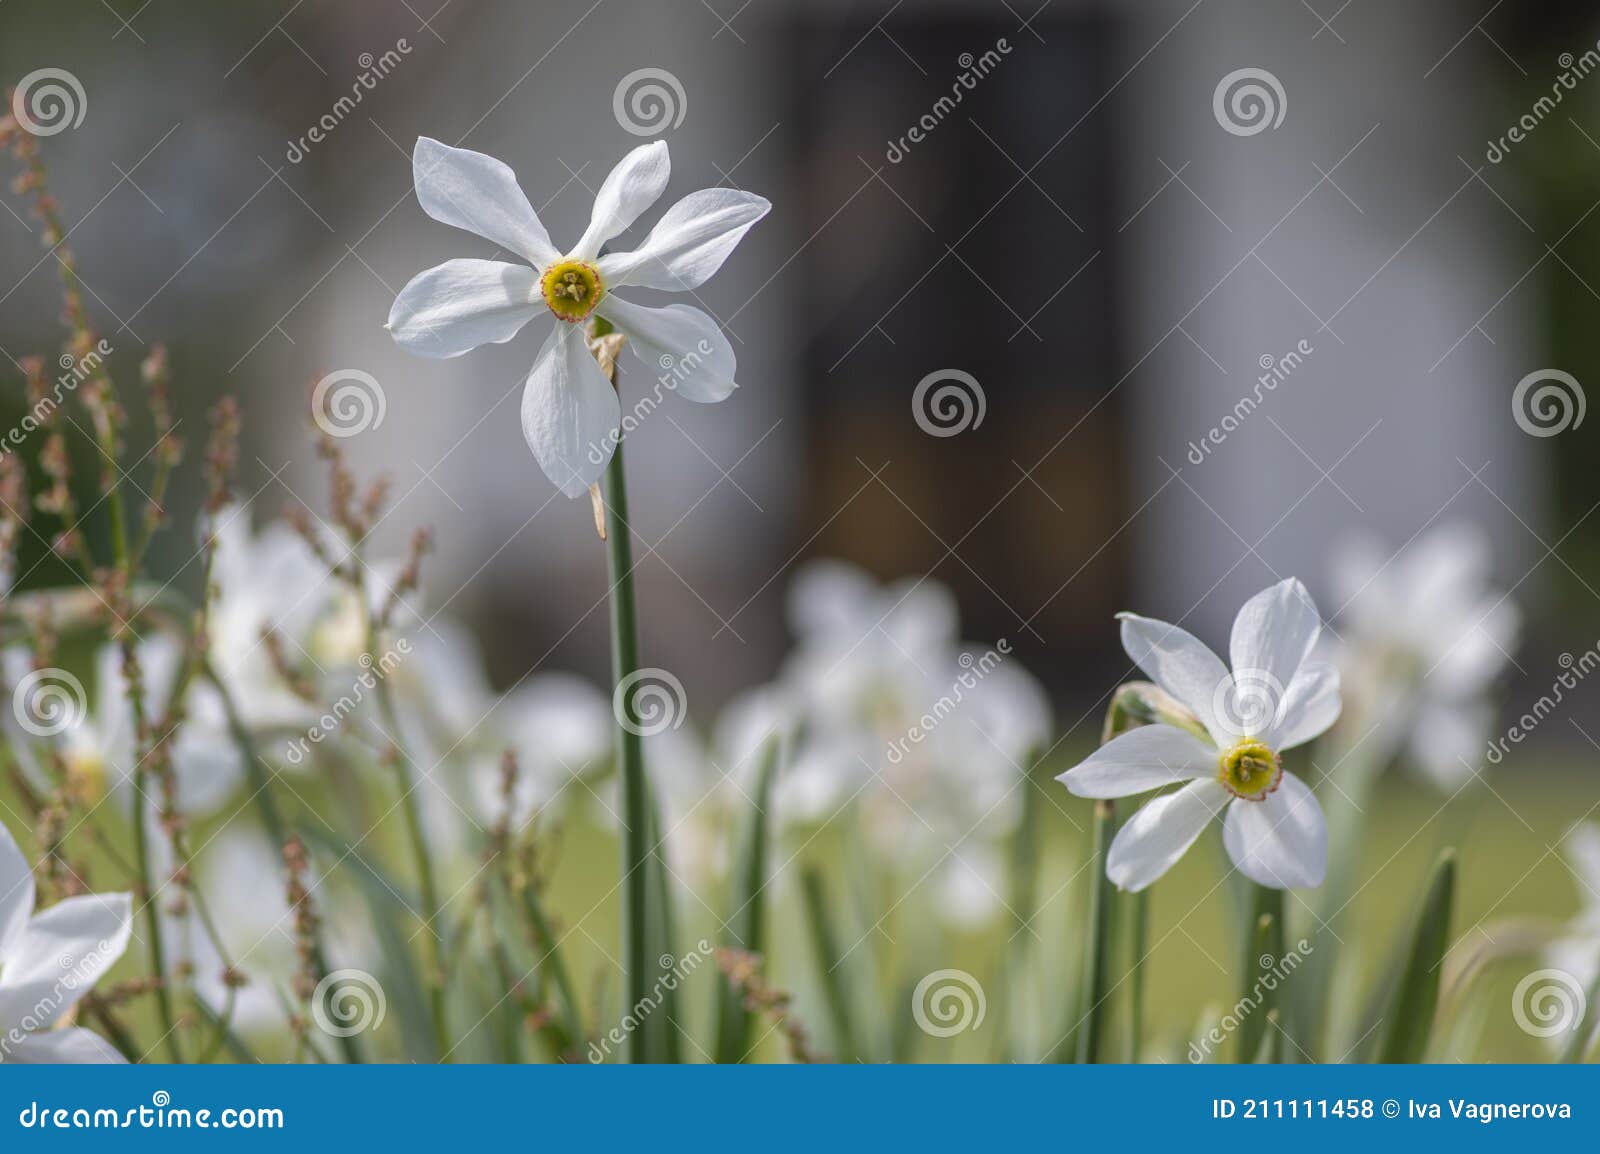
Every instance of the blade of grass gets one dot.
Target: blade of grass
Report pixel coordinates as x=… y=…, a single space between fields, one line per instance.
x=825 y=951
x=747 y=922
x=1139 y=947
x=1263 y=950
x=1416 y=996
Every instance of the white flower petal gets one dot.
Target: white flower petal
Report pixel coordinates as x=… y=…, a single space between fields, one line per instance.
x=829 y=596
x=570 y=412
x=1141 y=760
x=480 y=194
x=1476 y=649
x=1449 y=741
x=1274 y=632
x=1281 y=842
x=461 y=304
x=1582 y=851
x=61 y=954
x=70 y=1047
x=633 y=186
x=1152 y=840
x=1180 y=663
x=16 y=894
x=689 y=243
x=1310 y=705
x=680 y=344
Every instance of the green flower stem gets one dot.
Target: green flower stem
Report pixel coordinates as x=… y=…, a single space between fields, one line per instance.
x=1136 y=984
x=1097 y=965
x=259 y=776
x=1264 y=938
x=637 y=885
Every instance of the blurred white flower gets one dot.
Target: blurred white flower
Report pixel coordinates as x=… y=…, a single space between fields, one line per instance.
x=926 y=744
x=1577 y=950
x=264 y=582
x=560 y=727
x=570 y=412
x=1424 y=635
x=98 y=748
x=1271 y=701
x=49 y=960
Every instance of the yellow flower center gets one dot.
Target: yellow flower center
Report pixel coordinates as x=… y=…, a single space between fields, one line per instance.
x=572 y=289
x=85 y=778
x=1249 y=770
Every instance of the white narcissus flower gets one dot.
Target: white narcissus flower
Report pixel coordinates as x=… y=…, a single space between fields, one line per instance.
x=1426 y=630
x=1577 y=950
x=1271 y=701
x=50 y=959
x=570 y=412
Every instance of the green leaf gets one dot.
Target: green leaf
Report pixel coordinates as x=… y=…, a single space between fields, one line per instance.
x=747 y=922
x=825 y=951
x=1263 y=951
x=1416 y=997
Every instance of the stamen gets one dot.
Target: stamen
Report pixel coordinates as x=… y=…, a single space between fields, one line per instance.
x=1250 y=770
x=572 y=289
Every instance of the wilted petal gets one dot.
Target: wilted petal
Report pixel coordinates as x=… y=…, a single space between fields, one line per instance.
x=570 y=412
x=461 y=304
x=633 y=185
x=1152 y=840
x=1141 y=760
x=681 y=345
x=1281 y=842
x=480 y=194
x=689 y=243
